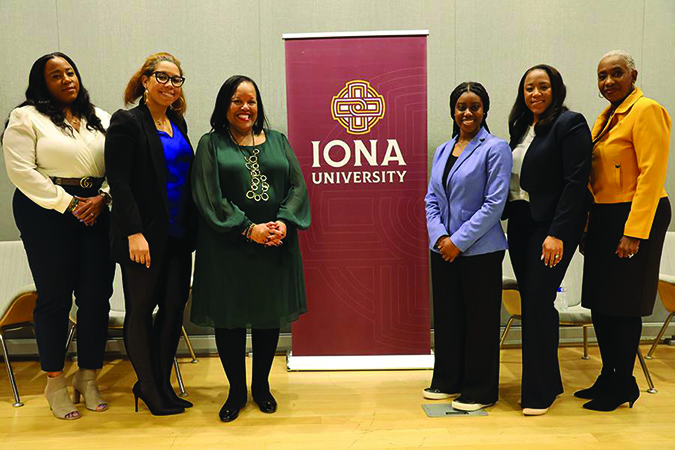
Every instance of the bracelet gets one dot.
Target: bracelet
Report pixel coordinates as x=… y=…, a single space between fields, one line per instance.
x=249 y=231
x=106 y=197
x=73 y=204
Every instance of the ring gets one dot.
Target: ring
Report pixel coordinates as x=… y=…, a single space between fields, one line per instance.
x=631 y=255
x=556 y=256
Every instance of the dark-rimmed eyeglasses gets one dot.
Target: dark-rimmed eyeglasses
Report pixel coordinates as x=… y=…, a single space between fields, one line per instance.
x=164 y=78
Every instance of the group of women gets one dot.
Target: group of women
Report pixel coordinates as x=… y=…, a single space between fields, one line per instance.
x=540 y=182
x=245 y=192
x=243 y=189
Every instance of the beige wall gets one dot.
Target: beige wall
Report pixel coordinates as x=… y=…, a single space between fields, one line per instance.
x=491 y=41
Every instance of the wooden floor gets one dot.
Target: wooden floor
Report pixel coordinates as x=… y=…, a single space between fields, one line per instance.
x=343 y=410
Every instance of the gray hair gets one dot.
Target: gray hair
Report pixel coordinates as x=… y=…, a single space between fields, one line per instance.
x=624 y=55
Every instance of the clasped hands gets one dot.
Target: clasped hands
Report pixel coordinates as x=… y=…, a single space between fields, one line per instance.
x=448 y=250
x=270 y=234
x=89 y=208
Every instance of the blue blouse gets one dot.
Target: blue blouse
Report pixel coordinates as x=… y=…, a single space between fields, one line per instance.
x=177 y=154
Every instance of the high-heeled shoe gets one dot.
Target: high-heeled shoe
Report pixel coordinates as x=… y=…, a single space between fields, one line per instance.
x=171 y=395
x=620 y=393
x=58 y=398
x=84 y=385
x=601 y=386
x=157 y=405
x=231 y=409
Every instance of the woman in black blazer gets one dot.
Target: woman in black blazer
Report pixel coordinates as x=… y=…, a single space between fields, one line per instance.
x=148 y=156
x=547 y=210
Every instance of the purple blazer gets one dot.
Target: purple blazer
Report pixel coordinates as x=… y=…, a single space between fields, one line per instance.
x=468 y=208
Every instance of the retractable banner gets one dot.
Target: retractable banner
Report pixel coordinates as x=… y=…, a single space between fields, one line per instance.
x=357 y=120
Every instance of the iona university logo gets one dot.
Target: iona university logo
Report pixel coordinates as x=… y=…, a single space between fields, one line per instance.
x=358 y=107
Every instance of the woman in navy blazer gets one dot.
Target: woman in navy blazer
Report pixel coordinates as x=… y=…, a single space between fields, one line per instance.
x=467 y=191
x=547 y=210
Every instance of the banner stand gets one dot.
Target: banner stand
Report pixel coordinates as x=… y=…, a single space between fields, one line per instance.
x=360 y=362
x=357 y=122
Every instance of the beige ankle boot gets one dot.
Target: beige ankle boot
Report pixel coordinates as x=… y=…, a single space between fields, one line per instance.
x=84 y=384
x=57 y=395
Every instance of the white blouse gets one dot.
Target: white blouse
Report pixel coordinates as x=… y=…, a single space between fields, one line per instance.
x=35 y=149
x=515 y=191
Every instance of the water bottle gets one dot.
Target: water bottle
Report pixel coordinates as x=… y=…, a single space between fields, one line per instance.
x=560 y=302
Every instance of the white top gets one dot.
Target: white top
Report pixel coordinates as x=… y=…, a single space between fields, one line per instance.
x=36 y=149
x=515 y=191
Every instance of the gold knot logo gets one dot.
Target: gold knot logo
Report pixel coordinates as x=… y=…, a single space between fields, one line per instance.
x=358 y=107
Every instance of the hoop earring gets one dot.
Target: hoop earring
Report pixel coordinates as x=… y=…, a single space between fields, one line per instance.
x=600 y=95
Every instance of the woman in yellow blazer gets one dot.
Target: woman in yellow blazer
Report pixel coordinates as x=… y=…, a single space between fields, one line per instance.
x=626 y=228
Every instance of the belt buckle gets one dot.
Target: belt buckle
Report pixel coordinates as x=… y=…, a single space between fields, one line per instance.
x=86 y=182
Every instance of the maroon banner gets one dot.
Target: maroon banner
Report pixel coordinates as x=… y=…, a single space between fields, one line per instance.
x=357 y=120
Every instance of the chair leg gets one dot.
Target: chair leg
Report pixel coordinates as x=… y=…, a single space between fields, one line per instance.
x=71 y=335
x=650 y=355
x=189 y=346
x=179 y=377
x=645 y=369
x=10 y=373
x=585 y=328
x=506 y=331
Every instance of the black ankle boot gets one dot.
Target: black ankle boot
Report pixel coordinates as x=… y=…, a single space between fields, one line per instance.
x=601 y=386
x=621 y=392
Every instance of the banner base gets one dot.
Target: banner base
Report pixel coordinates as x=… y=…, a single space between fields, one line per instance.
x=360 y=362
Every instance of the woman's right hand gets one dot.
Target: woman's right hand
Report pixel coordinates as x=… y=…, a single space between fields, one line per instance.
x=261 y=233
x=139 y=250
x=448 y=250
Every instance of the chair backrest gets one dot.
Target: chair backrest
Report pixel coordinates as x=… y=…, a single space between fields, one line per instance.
x=15 y=274
x=117 y=299
x=668 y=255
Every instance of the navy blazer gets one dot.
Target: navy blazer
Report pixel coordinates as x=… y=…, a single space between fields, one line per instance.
x=555 y=174
x=468 y=208
x=136 y=172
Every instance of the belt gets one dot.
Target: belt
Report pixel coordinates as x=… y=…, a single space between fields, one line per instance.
x=85 y=182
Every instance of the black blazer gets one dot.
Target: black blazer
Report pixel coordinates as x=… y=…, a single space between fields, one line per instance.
x=555 y=174
x=136 y=172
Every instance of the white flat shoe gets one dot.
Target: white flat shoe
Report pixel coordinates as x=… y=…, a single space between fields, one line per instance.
x=436 y=394
x=535 y=411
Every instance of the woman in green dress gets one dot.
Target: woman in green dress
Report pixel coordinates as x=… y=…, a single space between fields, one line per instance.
x=252 y=200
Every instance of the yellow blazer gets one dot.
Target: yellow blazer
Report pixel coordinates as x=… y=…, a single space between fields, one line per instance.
x=630 y=159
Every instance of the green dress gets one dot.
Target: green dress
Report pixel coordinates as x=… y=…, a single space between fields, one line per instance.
x=241 y=284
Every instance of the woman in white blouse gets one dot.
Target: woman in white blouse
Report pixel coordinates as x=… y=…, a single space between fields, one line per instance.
x=53 y=149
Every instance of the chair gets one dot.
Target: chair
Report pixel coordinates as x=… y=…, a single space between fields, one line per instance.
x=116 y=322
x=575 y=315
x=666 y=287
x=17 y=299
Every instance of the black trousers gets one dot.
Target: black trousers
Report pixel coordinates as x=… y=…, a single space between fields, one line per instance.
x=618 y=340
x=231 y=344
x=65 y=257
x=151 y=346
x=537 y=283
x=467 y=304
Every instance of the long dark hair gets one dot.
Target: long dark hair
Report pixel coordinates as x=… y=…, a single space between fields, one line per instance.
x=521 y=117
x=38 y=96
x=219 y=122
x=480 y=91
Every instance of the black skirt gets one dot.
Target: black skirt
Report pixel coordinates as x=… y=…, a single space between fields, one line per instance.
x=622 y=286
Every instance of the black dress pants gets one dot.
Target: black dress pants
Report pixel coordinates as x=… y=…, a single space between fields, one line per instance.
x=538 y=284
x=231 y=344
x=467 y=304
x=65 y=257
x=152 y=346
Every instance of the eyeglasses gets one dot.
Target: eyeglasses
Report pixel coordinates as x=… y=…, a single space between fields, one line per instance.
x=164 y=78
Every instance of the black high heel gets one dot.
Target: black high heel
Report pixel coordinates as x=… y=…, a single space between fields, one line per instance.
x=153 y=400
x=172 y=397
x=627 y=392
x=601 y=386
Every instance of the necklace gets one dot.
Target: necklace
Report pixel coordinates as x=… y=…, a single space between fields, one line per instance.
x=259 y=185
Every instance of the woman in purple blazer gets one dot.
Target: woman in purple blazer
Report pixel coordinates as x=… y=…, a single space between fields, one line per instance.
x=467 y=191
